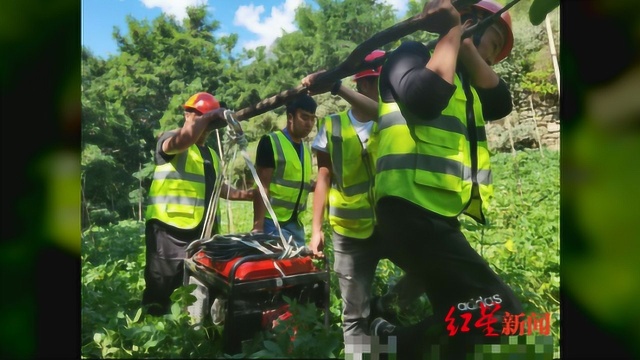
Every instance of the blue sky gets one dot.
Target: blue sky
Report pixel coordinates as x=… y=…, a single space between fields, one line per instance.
x=257 y=22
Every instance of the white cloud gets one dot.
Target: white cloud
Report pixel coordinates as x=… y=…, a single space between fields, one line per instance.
x=177 y=8
x=400 y=6
x=280 y=19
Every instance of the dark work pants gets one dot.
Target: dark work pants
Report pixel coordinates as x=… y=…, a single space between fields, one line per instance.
x=355 y=265
x=433 y=248
x=164 y=269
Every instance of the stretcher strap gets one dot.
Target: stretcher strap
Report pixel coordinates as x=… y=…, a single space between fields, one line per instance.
x=230 y=246
x=237 y=140
x=230 y=228
x=210 y=217
x=277 y=267
x=286 y=242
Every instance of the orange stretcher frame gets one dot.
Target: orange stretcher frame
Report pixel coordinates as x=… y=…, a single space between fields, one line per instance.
x=242 y=276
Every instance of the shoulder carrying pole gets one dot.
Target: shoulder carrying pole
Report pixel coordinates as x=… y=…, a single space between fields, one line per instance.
x=351 y=65
x=355 y=61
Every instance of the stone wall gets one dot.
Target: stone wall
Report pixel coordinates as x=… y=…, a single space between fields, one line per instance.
x=530 y=125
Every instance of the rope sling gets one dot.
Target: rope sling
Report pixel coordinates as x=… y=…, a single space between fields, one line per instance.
x=224 y=247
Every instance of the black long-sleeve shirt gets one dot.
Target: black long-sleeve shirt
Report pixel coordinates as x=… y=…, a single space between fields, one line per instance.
x=404 y=79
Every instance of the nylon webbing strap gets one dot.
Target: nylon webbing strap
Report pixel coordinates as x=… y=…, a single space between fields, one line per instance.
x=213 y=202
x=235 y=133
x=267 y=203
x=231 y=228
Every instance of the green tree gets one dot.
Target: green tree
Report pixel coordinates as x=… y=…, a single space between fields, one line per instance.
x=334 y=30
x=130 y=98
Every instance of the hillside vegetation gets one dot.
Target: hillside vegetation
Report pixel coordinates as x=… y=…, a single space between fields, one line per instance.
x=521 y=243
x=130 y=98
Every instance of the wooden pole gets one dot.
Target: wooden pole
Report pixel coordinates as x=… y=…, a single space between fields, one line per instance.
x=554 y=56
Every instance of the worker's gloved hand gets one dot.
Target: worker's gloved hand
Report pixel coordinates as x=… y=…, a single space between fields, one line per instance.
x=439 y=16
x=215 y=118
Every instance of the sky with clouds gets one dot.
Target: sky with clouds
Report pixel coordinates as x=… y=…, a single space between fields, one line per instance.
x=257 y=22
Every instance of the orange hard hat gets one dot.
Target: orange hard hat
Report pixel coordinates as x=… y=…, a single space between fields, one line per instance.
x=203 y=102
x=493 y=7
x=370 y=72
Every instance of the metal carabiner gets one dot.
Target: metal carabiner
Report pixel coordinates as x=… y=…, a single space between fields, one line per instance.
x=233 y=123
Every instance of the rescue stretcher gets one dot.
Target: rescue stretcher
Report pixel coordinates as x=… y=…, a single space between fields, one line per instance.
x=242 y=279
x=245 y=294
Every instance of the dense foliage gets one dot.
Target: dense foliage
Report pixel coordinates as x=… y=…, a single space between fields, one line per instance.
x=128 y=99
x=521 y=243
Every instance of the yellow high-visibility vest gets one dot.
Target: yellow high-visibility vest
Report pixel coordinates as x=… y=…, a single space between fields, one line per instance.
x=351 y=195
x=430 y=162
x=177 y=192
x=291 y=179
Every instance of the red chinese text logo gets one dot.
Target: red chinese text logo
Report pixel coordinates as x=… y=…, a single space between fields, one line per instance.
x=512 y=324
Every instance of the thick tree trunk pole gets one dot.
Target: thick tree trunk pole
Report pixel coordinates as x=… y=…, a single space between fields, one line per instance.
x=353 y=63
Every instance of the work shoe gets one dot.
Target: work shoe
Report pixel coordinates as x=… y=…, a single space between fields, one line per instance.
x=381 y=327
x=408 y=341
x=378 y=310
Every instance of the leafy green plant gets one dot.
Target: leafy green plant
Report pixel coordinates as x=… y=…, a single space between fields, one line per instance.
x=540 y=82
x=521 y=242
x=143 y=336
x=300 y=336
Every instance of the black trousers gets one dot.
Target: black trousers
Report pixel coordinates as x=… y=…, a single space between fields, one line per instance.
x=164 y=269
x=460 y=284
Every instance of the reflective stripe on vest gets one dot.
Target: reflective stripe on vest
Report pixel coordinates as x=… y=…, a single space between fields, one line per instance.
x=350 y=198
x=429 y=163
x=177 y=193
x=287 y=177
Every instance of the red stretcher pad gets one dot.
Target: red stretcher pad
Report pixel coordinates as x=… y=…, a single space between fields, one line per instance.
x=256 y=270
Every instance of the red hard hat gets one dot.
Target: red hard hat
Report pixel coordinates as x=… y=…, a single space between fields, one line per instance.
x=370 y=72
x=505 y=21
x=203 y=102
